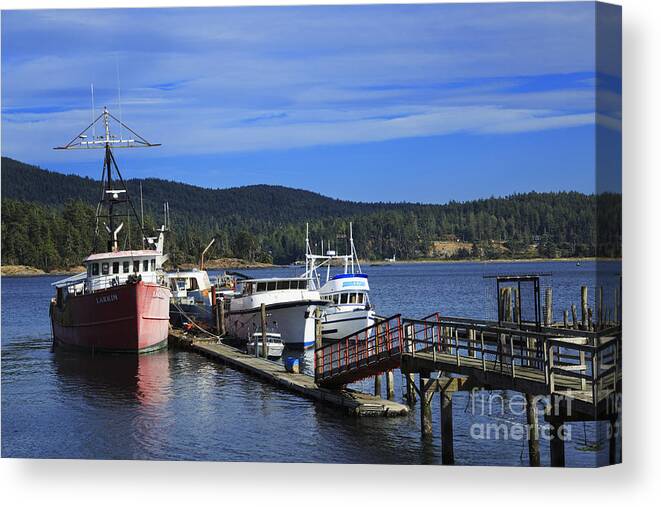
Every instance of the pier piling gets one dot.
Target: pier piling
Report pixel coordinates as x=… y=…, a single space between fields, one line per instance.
x=390 y=385
x=533 y=430
x=426 y=394
x=377 y=385
x=548 y=307
x=447 y=432
x=584 y=308
x=556 y=420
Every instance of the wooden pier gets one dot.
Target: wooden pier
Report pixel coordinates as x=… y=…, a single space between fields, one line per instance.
x=348 y=400
x=576 y=371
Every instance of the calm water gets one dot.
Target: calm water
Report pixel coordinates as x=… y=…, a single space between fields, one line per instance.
x=177 y=405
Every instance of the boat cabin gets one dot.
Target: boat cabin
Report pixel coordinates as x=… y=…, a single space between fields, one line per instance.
x=254 y=286
x=190 y=284
x=346 y=289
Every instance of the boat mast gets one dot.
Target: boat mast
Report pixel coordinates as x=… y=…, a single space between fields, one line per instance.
x=114 y=190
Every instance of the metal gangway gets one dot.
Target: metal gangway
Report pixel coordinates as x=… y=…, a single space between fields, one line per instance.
x=366 y=353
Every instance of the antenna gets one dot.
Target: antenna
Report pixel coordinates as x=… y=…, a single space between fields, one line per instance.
x=119 y=96
x=93 y=112
x=114 y=190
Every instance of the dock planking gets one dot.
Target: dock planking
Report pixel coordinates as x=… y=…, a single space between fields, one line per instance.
x=348 y=400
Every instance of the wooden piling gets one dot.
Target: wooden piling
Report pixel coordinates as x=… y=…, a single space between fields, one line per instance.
x=548 y=306
x=612 y=441
x=265 y=348
x=214 y=310
x=390 y=385
x=574 y=317
x=557 y=444
x=533 y=430
x=517 y=310
x=565 y=319
x=425 y=407
x=508 y=304
x=584 y=307
x=377 y=386
x=447 y=432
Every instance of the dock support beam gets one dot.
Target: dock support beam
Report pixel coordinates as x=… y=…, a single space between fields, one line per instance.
x=390 y=385
x=557 y=444
x=410 y=389
x=425 y=406
x=533 y=430
x=447 y=432
x=377 y=385
x=613 y=434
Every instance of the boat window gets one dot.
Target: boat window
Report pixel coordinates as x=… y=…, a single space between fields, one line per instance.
x=352 y=298
x=343 y=298
x=136 y=266
x=302 y=284
x=89 y=270
x=336 y=298
x=193 y=284
x=105 y=268
x=270 y=286
x=261 y=286
x=145 y=265
x=361 y=298
x=153 y=266
x=115 y=268
x=283 y=285
x=95 y=269
x=125 y=267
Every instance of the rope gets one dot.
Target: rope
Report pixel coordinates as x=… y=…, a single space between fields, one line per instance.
x=194 y=323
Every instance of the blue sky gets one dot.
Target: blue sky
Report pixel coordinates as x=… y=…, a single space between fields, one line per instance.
x=425 y=103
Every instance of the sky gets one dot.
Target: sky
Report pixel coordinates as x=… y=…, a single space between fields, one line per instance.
x=421 y=103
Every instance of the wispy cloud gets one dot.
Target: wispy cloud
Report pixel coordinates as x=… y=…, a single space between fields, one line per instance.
x=227 y=80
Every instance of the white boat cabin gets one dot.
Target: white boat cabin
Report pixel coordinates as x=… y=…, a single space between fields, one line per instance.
x=346 y=289
x=110 y=269
x=253 y=286
x=193 y=284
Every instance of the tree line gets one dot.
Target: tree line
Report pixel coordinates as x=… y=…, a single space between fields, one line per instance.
x=48 y=222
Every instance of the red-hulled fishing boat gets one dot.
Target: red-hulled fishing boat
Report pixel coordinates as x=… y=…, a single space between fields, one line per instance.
x=121 y=303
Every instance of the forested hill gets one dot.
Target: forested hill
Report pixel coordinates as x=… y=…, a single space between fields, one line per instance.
x=47 y=221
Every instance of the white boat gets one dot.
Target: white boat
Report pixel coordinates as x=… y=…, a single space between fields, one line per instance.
x=290 y=308
x=347 y=293
x=274 y=345
x=191 y=297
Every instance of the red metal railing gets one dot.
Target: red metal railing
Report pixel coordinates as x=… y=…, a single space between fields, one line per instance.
x=368 y=352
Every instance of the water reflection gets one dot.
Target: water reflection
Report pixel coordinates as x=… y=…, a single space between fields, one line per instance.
x=142 y=378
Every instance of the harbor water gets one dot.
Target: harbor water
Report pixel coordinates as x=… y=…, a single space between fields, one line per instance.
x=176 y=405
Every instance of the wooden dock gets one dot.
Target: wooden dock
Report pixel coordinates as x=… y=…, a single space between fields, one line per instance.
x=348 y=400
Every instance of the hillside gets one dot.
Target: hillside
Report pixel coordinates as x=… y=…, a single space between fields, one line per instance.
x=48 y=218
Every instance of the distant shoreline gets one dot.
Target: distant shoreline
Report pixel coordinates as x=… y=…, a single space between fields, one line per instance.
x=486 y=261
x=11 y=270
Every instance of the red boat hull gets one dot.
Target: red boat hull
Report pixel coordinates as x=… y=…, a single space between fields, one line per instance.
x=127 y=318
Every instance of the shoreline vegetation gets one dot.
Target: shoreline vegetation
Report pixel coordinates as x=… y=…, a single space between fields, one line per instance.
x=48 y=221
x=234 y=263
